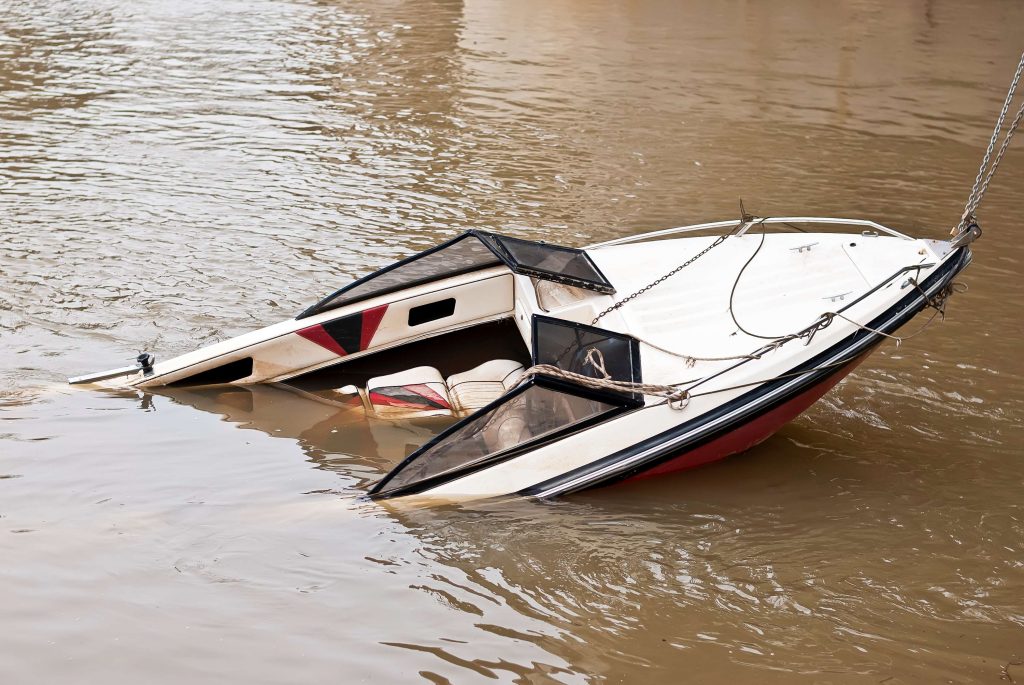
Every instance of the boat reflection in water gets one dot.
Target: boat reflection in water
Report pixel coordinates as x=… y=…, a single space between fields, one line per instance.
x=332 y=429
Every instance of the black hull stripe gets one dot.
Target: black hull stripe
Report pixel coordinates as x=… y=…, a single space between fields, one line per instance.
x=676 y=441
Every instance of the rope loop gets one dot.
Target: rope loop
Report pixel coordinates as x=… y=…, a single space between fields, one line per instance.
x=595 y=358
x=677 y=398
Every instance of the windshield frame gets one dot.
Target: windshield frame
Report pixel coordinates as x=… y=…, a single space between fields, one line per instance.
x=499 y=244
x=331 y=301
x=491 y=241
x=634 y=398
x=380 y=491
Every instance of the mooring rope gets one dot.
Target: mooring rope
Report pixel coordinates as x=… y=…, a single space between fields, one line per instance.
x=936 y=302
x=986 y=172
x=676 y=397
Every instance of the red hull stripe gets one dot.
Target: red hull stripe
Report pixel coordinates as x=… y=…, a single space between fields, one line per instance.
x=371 y=321
x=322 y=338
x=751 y=433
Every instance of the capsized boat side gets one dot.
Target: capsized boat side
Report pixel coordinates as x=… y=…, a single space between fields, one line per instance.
x=598 y=375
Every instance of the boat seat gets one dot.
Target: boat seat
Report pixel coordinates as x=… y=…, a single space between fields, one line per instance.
x=415 y=392
x=478 y=387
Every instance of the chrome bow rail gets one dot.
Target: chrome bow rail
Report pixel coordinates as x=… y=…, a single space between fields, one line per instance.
x=741 y=226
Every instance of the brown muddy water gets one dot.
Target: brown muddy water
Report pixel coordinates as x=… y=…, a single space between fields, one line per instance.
x=176 y=172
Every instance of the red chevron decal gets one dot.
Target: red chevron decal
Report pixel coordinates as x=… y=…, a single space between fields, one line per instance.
x=322 y=338
x=371 y=321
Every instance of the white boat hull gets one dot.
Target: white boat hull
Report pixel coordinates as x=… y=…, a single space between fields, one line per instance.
x=755 y=328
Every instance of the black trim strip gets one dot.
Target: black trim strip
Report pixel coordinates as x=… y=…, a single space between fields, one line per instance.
x=696 y=441
x=846 y=350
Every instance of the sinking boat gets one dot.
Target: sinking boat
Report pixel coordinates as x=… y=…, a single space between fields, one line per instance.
x=561 y=369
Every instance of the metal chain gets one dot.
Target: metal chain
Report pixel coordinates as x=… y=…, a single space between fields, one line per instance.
x=661 y=280
x=982 y=180
x=999 y=156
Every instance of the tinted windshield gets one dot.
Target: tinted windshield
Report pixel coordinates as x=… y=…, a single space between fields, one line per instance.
x=461 y=255
x=469 y=252
x=529 y=415
x=553 y=262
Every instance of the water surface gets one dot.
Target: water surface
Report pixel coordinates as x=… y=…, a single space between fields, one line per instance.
x=175 y=173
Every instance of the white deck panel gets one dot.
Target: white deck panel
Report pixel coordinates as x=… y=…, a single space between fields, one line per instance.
x=792 y=280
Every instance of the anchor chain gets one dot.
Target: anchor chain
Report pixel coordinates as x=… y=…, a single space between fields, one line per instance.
x=985 y=171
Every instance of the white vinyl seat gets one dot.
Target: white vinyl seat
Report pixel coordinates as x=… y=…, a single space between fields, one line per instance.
x=478 y=387
x=414 y=392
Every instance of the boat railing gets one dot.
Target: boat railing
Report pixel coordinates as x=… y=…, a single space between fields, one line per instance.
x=742 y=226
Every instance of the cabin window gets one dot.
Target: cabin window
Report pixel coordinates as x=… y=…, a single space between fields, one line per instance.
x=425 y=313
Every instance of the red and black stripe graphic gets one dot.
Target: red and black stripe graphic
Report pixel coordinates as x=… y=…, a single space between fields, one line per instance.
x=417 y=396
x=347 y=334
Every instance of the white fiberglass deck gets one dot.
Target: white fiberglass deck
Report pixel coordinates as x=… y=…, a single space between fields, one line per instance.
x=789 y=281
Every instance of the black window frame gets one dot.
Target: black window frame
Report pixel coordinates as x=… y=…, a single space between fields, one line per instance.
x=379 y=491
x=633 y=399
x=497 y=243
x=325 y=304
x=502 y=255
